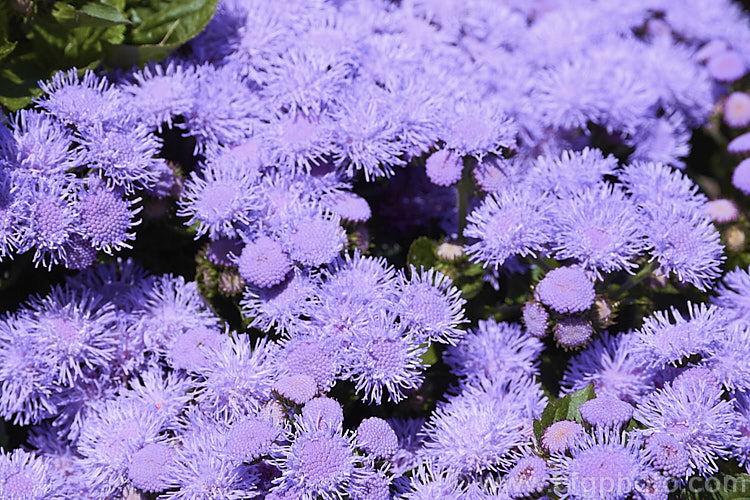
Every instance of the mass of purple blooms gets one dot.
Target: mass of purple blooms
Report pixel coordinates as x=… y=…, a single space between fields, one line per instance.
x=580 y=330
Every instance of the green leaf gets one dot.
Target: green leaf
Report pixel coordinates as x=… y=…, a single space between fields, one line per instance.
x=92 y=14
x=422 y=253
x=82 y=46
x=126 y=56
x=18 y=77
x=103 y=13
x=6 y=45
x=735 y=487
x=430 y=356
x=169 y=22
x=474 y=270
x=6 y=48
x=4 y=19
x=563 y=409
x=471 y=289
x=577 y=399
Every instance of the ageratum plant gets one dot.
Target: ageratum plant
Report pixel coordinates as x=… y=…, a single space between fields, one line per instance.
x=367 y=250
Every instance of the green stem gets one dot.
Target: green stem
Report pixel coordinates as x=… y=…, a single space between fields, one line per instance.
x=634 y=280
x=464 y=193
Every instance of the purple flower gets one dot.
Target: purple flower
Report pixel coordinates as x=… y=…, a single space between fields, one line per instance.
x=38 y=145
x=376 y=437
x=660 y=341
x=298 y=388
x=681 y=84
x=667 y=454
x=219 y=199
x=297 y=80
x=318 y=462
x=741 y=176
x=371 y=484
x=535 y=319
x=75 y=404
x=385 y=358
x=106 y=218
x=722 y=211
x=109 y=439
x=192 y=350
x=600 y=228
x=79 y=253
x=477 y=430
x=349 y=206
x=263 y=262
x=740 y=145
x=26 y=475
x=367 y=138
x=566 y=290
x=247 y=36
x=431 y=481
x=14 y=218
x=604 y=465
x=476 y=128
x=529 y=476
x=53 y=219
x=298 y=142
x=121 y=282
x=323 y=412
x=662 y=140
x=360 y=279
x=733 y=293
x=497 y=351
x=513 y=222
x=81 y=101
x=573 y=332
x=431 y=306
x=200 y=467
x=149 y=467
x=164 y=395
x=685 y=244
x=562 y=99
x=27 y=379
x=571 y=172
x=224 y=109
x=170 y=307
x=251 y=438
x=494 y=174
x=726 y=66
x=657 y=184
x=610 y=363
x=282 y=306
x=306 y=355
x=741 y=447
x=737 y=110
x=730 y=360
x=697 y=417
x=560 y=436
x=125 y=158
x=444 y=167
x=74 y=331
x=606 y=411
x=159 y=93
x=314 y=240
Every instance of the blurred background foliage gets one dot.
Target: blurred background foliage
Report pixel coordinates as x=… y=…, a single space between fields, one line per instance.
x=40 y=37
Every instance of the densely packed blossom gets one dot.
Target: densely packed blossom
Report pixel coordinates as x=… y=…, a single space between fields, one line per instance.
x=355 y=249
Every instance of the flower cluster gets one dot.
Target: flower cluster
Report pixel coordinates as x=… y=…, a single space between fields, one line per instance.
x=130 y=380
x=462 y=249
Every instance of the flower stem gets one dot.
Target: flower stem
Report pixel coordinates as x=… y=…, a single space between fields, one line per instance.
x=464 y=194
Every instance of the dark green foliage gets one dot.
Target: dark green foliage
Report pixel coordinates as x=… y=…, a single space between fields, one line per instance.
x=39 y=38
x=563 y=409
